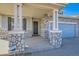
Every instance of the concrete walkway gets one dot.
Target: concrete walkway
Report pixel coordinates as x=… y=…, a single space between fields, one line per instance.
x=70 y=47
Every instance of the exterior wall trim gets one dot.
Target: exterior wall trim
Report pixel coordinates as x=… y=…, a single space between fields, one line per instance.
x=69 y=17
x=68 y=22
x=65 y=22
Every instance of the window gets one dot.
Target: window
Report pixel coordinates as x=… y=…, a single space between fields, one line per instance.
x=10 y=23
x=24 y=24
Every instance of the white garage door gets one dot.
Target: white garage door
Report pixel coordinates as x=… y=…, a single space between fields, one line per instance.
x=68 y=30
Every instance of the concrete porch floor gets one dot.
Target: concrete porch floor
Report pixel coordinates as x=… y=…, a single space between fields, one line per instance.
x=40 y=47
x=37 y=43
x=70 y=47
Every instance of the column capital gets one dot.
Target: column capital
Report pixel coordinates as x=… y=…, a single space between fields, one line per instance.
x=18 y=4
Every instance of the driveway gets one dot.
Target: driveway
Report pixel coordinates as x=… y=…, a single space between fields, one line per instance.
x=70 y=47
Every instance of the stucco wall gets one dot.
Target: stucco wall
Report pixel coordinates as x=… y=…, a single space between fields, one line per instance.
x=29 y=26
x=4 y=22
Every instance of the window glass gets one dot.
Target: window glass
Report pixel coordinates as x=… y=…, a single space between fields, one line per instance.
x=24 y=24
x=10 y=23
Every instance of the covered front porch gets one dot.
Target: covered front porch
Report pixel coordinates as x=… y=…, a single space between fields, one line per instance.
x=18 y=35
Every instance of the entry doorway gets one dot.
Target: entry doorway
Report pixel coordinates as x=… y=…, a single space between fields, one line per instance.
x=35 y=28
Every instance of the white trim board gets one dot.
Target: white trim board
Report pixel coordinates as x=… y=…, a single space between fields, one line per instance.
x=68 y=22
x=65 y=22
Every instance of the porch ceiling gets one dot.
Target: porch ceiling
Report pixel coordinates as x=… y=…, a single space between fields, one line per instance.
x=30 y=9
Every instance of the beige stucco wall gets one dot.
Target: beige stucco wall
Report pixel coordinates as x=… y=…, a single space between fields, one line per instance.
x=4 y=22
x=29 y=26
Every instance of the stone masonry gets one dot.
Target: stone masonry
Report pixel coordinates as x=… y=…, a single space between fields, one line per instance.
x=55 y=38
x=17 y=43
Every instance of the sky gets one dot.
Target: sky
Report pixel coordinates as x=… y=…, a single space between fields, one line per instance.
x=71 y=9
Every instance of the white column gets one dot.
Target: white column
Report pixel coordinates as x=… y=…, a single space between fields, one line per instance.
x=55 y=19
x=18 y=17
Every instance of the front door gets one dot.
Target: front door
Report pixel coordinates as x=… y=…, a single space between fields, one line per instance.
x=35 y=27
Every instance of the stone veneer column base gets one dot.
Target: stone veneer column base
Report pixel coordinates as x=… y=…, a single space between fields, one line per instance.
x=17 y=42
x=55 y=37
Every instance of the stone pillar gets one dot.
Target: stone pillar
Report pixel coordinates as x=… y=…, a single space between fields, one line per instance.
x=55 y=35
x=17 y=43
x=17 y=38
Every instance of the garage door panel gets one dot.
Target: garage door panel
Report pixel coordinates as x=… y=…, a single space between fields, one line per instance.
x=68 y=30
